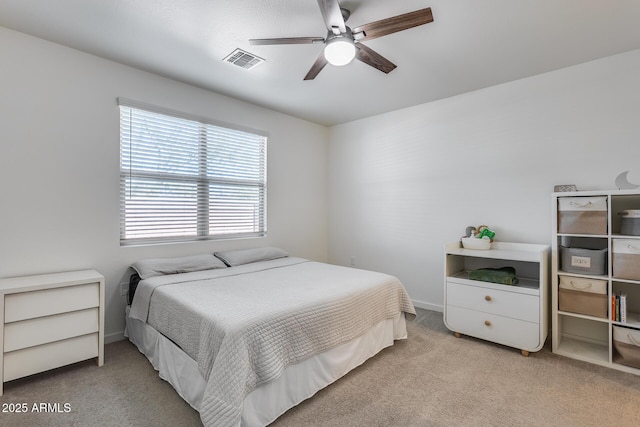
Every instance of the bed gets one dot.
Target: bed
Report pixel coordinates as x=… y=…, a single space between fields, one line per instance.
x=245 y=335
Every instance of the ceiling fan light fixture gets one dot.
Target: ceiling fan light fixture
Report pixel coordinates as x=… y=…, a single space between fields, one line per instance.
x=339 y=51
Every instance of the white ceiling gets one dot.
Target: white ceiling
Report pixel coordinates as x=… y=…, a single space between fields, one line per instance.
x=470 y=45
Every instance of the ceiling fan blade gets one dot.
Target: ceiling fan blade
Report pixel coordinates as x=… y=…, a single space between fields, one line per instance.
x=373 y=58
x=316 y=67
x=394 y=24
x=287 y=40
x=332 y=15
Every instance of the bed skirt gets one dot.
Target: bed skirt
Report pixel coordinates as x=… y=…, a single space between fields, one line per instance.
x=267 y=402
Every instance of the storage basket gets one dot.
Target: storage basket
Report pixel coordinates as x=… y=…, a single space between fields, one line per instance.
x=582 y=215
x=626 y=259
x=583 y=296
x=626 y=343
x=583 y=261
x=630 y=223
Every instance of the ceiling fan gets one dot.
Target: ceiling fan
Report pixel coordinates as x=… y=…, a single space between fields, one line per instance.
x=343 y=44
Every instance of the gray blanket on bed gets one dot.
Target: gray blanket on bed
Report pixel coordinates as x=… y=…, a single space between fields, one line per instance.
x=244 y=325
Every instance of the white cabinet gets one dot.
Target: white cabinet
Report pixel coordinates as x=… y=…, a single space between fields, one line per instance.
x=50 y=320
x=512 y=315
x=583 y=326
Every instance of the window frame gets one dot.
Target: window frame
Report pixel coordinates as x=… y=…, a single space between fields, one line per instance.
x=204 y=181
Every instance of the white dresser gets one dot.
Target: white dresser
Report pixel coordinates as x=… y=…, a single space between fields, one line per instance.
x=50 y=320
x=512 y=315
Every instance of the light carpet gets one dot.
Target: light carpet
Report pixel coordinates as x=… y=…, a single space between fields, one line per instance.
x=430 y=379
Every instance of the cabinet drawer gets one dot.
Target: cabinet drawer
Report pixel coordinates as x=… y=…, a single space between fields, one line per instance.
x=28 y=305
x=42 y=330
x=502 y=303
x=41 y=358
x=499 y=329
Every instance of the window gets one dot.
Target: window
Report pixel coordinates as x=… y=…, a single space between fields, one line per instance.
x=182 y=178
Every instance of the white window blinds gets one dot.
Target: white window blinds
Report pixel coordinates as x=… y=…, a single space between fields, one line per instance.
x=186 y=179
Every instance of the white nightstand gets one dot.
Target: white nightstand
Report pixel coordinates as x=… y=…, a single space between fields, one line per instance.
x=50 y=320
x=513 y=315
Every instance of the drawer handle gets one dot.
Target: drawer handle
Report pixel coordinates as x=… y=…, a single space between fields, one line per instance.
x=487 y=298
x=487 y=323
x=633 y=248
x=580 y=205
x=577 y=286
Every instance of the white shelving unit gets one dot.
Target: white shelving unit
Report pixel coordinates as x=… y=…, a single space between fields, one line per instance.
x=586 y=337
x=512 y=315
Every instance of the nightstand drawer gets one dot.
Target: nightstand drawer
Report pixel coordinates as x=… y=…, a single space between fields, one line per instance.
x=28 y=305
x=502 y=303
x=32 y=360
x=42 y=330
x=499 y=329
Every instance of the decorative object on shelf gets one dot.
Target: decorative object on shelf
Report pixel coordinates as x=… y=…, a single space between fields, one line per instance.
x=564 y=188
x=582 y=296
x=470 y=231
x=619 y=307
x=626 y=259
x=484 y=231
x=630 y=222
x=583 y=260
x=503 y=275
x=626 y=343
x=477 y=238
x=474 y=243
x=623 y=183
x=582 y=215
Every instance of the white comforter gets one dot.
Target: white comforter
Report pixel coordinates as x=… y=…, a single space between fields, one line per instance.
x=244 y=325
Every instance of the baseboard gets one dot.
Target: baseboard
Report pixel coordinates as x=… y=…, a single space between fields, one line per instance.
x=428 y=306
x=113 y=337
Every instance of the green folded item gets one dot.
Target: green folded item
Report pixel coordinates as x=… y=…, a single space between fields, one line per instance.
x=503 y=276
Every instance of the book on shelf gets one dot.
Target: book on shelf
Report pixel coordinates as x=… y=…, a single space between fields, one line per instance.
x=619 y=307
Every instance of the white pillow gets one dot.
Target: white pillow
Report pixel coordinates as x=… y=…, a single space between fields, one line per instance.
x=246 y=256
x=158 y=267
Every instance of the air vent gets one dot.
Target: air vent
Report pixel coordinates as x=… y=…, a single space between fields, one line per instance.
x=243 y=59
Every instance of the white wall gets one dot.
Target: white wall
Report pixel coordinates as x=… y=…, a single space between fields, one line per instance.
x=405 y=183
x=400 y=185
x=59 y=165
